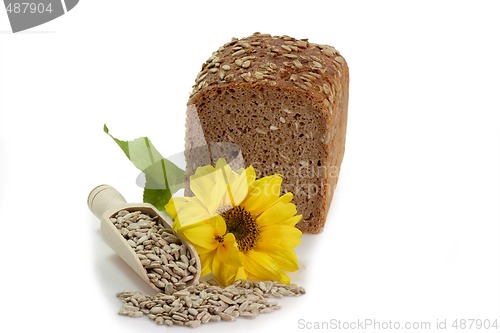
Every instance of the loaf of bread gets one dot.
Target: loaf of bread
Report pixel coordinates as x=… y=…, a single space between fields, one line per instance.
x=283 y=101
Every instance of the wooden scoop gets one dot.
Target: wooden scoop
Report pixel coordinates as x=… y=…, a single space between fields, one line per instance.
x=105 y=202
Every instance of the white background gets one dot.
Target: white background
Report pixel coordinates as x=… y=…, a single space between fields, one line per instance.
x=414 y=229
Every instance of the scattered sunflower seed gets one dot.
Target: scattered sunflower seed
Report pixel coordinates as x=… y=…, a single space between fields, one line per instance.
x=207 y=302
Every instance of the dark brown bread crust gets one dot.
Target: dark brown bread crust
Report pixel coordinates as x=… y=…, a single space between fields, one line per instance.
x=284 y=102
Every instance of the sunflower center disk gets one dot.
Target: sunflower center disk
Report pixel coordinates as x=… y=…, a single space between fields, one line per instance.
x=243 y=226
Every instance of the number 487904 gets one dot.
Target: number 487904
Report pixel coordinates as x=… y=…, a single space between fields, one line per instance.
x=470 y=324
x=28 y=8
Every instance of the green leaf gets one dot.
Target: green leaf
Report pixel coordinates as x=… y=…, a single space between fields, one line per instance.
x=163 y=178
x=157 y=174
x=156 y=197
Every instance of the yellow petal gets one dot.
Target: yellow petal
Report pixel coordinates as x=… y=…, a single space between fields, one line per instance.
x=261 y=266
x=276 y=214
x=284 y=234
x=219 y=225
x=228 y=249
x=285 y=279
x=292 y=221
x=221 y=163
x=241 y=274
x=187 y=210
x=210 y=189
x=283 y=255
x=264 y=193
x=214 y=221
x=226 y=262
x=204 y=170
x=203 y=251
x=224 y=274
x=170 y=209
x=239 y=184
x=187 y=224
x=237 y=187
x=203 y=235
x=206 y=260
x=250 y=172
x=285 y=198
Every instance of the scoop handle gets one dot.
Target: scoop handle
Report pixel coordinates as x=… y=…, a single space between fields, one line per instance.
x=104 y=198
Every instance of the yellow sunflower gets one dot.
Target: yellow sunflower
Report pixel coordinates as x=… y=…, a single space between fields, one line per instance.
x=241 y=227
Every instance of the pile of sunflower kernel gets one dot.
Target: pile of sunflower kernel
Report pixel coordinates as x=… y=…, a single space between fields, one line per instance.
x=207 y=302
